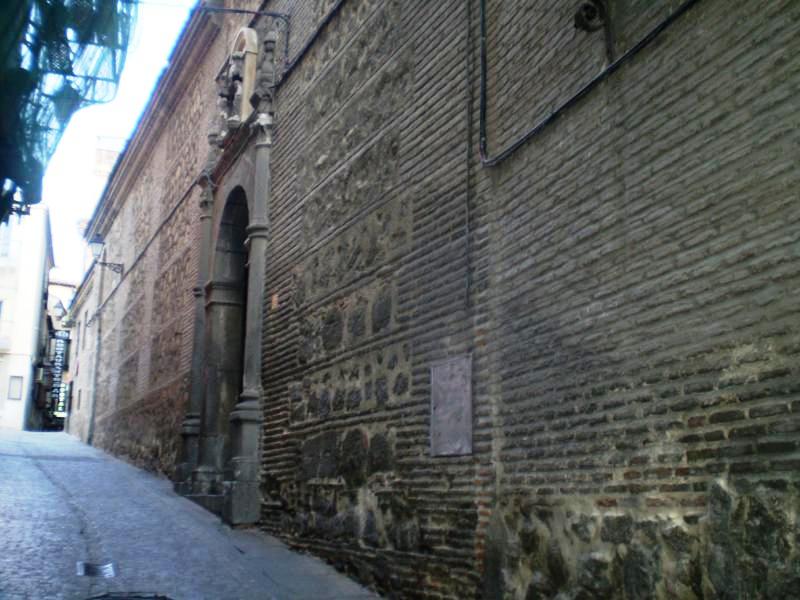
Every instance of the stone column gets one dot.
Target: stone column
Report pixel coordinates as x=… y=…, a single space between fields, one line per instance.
x=190 y=428
x=222 y=377
x=205 y=475
x=242 y=496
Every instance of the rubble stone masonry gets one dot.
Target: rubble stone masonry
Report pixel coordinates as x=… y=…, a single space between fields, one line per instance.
x=624 y=283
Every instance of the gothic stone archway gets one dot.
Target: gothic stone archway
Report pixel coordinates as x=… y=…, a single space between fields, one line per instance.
x=228 y=421
x=227 y=478
x=226 y=300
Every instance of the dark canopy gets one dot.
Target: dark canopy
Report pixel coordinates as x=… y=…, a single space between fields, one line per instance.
x=57 y=56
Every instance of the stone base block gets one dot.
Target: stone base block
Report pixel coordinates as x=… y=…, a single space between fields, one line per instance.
x=206 y=481
x=182 y=482
x=211 y=502
x=242 y=505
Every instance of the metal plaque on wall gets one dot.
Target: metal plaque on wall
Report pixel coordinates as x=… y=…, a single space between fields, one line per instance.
x=451 y=407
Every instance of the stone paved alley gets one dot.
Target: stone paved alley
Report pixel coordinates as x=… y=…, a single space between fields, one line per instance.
x=62 y=502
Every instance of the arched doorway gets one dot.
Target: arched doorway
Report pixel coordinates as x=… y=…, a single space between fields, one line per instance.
x=226 y=310
x=222 y=428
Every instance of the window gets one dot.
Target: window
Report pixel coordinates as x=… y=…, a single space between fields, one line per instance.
x=79 y=399
x=5 y=238
x=85 y=320
x=15 y=388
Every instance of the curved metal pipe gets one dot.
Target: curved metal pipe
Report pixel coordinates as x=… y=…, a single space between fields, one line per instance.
x=487 y=159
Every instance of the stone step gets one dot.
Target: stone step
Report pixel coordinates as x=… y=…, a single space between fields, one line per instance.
x=211 y=502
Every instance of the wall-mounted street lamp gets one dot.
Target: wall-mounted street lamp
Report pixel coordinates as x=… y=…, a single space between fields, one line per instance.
x=96 y=245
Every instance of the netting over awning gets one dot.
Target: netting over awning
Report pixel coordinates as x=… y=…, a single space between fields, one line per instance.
x=58 y=56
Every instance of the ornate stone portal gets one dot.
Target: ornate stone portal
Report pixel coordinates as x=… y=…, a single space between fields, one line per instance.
x=223 y=423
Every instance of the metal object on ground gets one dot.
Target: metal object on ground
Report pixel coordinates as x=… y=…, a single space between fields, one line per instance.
x=86 y=569
x=129 y=596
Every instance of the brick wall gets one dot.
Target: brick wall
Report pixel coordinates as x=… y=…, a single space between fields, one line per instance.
x=624 y=285
x=643 y=250
x=367 y=271
x=624 y=291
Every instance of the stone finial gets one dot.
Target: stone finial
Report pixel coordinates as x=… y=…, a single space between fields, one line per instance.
x=261 y=98
x=262 y=125
x=234 y=95
x=219 y=119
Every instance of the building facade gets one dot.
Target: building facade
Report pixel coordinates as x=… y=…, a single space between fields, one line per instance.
x=83 y=366
x=26 y=257
x=474 y=299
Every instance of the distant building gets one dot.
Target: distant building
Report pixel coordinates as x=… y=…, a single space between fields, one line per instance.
x=26 y=257
x=106 y=153
x=83 y=330
x=59 y=297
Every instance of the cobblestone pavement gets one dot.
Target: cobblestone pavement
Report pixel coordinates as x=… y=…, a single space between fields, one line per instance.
x=62 y=502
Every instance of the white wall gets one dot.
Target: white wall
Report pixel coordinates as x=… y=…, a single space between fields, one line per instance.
x=22 y=284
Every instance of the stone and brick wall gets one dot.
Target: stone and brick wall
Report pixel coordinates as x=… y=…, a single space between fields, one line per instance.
x=643 y=341
x=153 y=229
x=623 y=283
x=366 y=288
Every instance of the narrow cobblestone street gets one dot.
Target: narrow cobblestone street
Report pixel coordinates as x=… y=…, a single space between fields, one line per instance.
x=62 y=502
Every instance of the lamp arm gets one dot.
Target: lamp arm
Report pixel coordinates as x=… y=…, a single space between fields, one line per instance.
x=116 y=267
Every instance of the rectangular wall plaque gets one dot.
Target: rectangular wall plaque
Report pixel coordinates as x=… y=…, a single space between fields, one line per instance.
x=451 y=407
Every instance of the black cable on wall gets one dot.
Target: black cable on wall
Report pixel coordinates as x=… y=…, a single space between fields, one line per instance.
x=489 y=160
